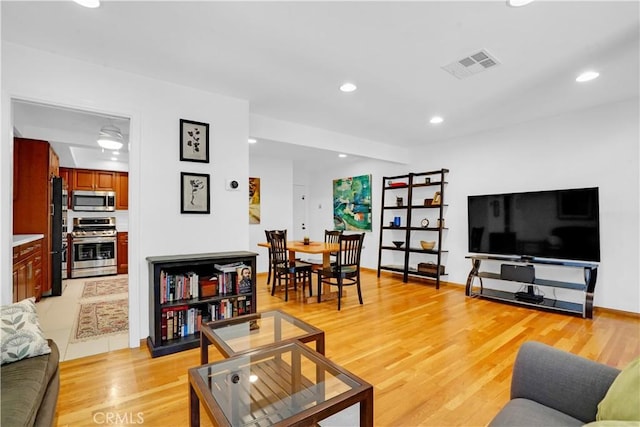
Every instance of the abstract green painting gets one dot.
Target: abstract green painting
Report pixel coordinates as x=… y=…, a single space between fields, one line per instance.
x=352 y=203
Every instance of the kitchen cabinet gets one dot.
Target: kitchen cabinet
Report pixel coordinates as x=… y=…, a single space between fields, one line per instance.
x=122 y=191
x=93 y=180
x=65 y=174
x=27 y=270
x=123 y=253
x=35 y=161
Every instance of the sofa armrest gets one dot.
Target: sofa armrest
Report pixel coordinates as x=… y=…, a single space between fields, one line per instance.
x=560 y=380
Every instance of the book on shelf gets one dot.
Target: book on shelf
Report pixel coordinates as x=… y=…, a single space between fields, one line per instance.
x=243 y=279
x=226 y=268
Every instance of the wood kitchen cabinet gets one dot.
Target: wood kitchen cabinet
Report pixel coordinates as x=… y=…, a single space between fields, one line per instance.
x=27 y=270
x=36 y=163
x=123 y=253
x=65 y=174
x=122 y=191
x=93 y=180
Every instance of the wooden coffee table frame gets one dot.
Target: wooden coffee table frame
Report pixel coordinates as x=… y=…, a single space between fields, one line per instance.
x=208 y=336
x=294 y=382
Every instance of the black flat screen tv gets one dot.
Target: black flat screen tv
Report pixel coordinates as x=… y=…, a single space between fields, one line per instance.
x=559 y=224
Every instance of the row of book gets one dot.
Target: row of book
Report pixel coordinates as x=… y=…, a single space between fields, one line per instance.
x=231 y=279
x=231 y=307
x=175 y=287
x=180 y=322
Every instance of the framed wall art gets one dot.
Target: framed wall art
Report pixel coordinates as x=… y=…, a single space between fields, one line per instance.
x=194 y=141
x=254 y=200
x=352 y=203
x=195 y=193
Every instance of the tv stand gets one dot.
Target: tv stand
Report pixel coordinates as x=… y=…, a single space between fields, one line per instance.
x=529 y=298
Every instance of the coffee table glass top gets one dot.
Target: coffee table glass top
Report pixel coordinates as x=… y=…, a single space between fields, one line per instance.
x=244 y=333
x=267 y=386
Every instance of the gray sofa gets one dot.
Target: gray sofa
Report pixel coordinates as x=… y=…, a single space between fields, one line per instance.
x=551 y=387
x=30 y=390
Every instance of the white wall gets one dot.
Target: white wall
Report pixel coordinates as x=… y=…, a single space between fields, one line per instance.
x=156 y=226
x=591 y=148
x=596 y=147
x=276 y=202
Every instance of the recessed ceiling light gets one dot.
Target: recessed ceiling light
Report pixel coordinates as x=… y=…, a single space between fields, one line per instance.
x=114 y=159
x=518 y=3
x=116 y=153
x=436 y=120
x=342 y=155
x=252 y=140
x=92 y=4
x=587 y=76
x=348 y=87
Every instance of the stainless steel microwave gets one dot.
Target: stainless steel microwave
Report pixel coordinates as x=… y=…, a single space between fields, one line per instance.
x=93 y=201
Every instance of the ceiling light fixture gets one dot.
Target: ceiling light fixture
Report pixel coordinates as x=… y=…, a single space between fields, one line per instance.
x=348 y=87
x=518 y=3
x=342 y=155
x=252 y=140
x=110 y=137
x=587 y=76
x=91 y=4
x=436 y=120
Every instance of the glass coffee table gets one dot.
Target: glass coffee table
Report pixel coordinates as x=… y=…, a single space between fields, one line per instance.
x=279 y=385
x=254 y=331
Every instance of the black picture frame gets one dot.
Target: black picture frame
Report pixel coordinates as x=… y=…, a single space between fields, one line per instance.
x=195 y=193
x=194 y=141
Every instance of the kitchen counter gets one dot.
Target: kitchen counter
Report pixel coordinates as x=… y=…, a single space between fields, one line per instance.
x=21 y=239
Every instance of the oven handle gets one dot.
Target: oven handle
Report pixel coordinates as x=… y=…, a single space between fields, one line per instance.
x=93 y=240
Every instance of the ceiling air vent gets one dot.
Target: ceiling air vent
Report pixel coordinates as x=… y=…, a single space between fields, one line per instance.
x=472 y=64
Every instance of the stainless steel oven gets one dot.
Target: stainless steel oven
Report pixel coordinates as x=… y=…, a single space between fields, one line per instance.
x=93 y=247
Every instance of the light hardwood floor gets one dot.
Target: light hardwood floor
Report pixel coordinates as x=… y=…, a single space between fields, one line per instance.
x=434 y=357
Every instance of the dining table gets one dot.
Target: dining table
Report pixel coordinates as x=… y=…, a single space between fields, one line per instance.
x=315 y=248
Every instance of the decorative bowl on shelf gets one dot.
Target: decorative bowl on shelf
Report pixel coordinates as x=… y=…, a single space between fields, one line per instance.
x=398 y=243
x=427 y=246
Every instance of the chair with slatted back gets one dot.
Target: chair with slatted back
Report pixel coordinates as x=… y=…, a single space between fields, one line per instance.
x=346 y=271
x=285 y=269
x=268 y=234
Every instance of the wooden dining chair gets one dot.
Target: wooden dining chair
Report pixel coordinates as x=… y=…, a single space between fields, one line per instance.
x=269 y=254
x=285 y=269
x=346 y=271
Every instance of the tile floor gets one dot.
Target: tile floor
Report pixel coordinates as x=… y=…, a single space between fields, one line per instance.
x=57 y=315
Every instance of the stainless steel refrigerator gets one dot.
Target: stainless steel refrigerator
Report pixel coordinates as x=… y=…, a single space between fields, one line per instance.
x=57 y=246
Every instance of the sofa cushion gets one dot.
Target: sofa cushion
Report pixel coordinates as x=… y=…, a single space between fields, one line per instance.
x=24 y=384
x=21 y=333
x=612 y=423
x=622 y=401
x=524 y=412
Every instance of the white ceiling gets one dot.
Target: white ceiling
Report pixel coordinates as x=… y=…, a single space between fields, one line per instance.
x=289 y=58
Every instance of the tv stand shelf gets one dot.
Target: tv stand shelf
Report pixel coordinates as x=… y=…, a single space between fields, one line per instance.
x=587 y=288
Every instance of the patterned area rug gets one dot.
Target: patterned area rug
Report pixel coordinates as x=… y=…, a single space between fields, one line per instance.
x=103 y=287
x=100 y=319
